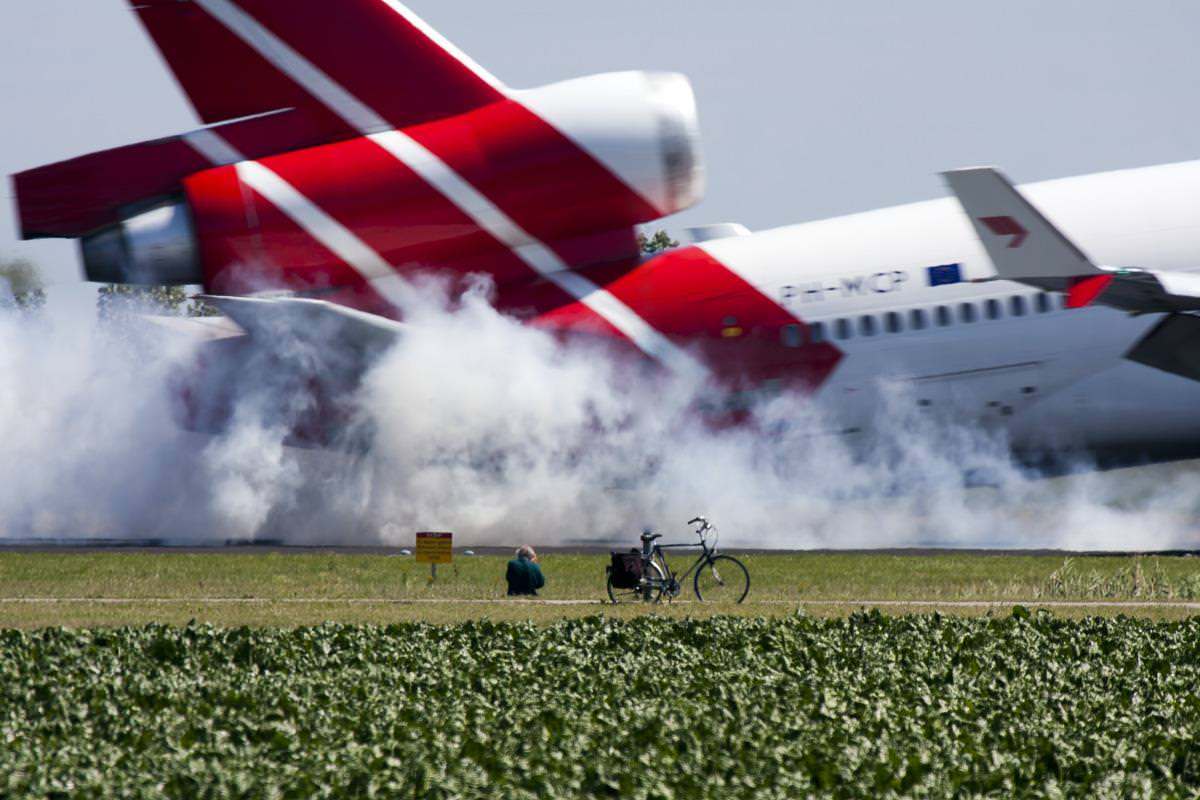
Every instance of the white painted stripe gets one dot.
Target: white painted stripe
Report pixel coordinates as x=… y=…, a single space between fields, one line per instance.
x=447 y=45
x=541 y=258
x=296 y=66
x=325 y=229
x=214 y=147
x=439 y=175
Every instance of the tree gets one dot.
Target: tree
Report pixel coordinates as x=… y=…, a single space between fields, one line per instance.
x=199 y=308
x=121 y=298
x=21 y=284
x=657 y=243
x=116 y=298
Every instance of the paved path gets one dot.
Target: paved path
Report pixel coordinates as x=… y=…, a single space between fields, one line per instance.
x=1190 y=606
x=1008 y=603
x=304 y=600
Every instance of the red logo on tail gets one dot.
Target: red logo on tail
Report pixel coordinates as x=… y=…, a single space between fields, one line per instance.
x=1006 y=226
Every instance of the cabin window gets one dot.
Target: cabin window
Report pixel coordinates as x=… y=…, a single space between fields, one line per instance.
x=842 y=328
x=816 y=332
x=791 y=336
x=891 y=322
x=1043 y=303
x=966 y=312
x=866 y=326
x=992 y=309
x=916 y=319
x=943 y=316
x=1016 y=305
x=1061 y=300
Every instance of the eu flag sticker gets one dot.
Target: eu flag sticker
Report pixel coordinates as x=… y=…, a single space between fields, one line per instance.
x=944 y=274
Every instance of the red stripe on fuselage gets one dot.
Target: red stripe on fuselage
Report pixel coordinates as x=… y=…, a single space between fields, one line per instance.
x=394 y=211
x=248 y=245
x=694 y=299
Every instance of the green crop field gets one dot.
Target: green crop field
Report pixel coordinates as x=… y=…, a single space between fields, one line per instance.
x=305 y=588
x=799 y=694
x=869 y=706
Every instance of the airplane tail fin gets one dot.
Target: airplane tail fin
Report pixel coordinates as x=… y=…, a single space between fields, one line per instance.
x=368 y=64
x=1019 y=240
x=1022 y=244
x=269 y=76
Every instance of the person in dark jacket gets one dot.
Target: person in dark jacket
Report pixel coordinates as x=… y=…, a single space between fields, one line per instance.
x=524 y=575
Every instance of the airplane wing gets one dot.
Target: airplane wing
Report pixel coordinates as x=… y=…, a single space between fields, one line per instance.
x=1025 y=246
x=314 y=351
x=332 y=326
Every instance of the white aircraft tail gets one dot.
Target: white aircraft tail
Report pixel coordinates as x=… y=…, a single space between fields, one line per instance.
x=1020 y=241
x=1024 y=246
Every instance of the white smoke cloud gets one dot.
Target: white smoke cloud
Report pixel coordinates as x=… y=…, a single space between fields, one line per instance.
x=86 y=442
x=501 y=432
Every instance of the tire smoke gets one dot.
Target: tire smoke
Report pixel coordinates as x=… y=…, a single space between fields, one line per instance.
x=502 y=432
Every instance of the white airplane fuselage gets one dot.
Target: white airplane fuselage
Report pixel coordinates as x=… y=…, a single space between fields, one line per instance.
x=996 y=351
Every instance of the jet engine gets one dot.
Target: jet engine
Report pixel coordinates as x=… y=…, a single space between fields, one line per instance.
x=641 y=125
x=156 y=246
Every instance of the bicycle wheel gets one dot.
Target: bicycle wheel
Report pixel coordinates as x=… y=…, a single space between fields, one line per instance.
x=723 y=579
x=648 y=591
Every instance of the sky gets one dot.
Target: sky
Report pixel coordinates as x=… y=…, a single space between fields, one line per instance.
x=807 y=109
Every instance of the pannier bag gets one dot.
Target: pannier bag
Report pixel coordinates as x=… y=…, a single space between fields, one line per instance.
x=626 y=570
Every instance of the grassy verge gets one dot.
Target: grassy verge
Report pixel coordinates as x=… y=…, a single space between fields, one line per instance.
x=305 y=588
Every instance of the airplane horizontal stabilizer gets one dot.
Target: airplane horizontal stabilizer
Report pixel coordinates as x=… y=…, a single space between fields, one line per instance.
x=76 y=197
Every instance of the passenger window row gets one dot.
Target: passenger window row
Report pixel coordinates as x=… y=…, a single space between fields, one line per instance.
x=919 y=319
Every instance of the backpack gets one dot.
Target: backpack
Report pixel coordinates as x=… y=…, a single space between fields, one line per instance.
x=626 y=570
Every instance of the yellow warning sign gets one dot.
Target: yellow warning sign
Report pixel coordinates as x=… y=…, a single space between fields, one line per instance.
x=434 y=548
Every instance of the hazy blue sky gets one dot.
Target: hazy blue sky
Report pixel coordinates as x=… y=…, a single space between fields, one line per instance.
x=807 y=109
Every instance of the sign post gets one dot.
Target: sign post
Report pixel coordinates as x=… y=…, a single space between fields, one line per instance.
x=434 y=548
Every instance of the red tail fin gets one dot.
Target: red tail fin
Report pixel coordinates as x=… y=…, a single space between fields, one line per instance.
x=237 y=58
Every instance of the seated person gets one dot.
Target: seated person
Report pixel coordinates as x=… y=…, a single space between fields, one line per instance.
x=524 y=575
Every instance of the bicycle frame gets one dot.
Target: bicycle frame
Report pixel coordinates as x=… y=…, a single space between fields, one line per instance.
x=669 y=575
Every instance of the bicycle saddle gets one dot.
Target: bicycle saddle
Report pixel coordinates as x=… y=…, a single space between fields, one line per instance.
x=648 y=536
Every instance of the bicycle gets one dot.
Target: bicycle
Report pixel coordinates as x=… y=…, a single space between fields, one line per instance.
x=719 y=578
